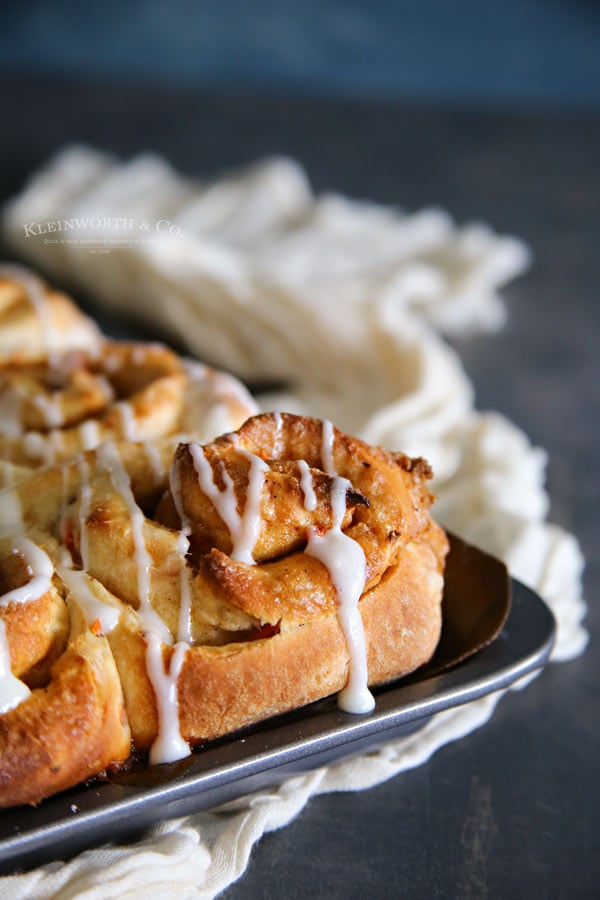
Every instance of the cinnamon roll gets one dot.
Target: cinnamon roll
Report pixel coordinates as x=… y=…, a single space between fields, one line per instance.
x=65 y=388
x=180 y=594
x=37 y=322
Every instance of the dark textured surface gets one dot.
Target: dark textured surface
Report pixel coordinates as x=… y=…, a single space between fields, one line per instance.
x=510 y=811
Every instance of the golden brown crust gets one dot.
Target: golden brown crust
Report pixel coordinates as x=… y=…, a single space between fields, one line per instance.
x=223 y=689
x=58 y=407
x=64 y=387
x=68 y=731
x=145 y=532
x=36 y=320
x=284 y=517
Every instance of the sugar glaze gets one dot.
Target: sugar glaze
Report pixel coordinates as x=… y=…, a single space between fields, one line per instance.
x=244 y=528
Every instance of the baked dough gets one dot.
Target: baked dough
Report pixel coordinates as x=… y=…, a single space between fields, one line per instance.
x=66 y=388
x=173 y=566
x=185 y=598
x=128 y=391
x=37 y=322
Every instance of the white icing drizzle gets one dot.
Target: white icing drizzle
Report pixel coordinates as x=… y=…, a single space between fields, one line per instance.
x=223 y=385
x=37 y=446
x=195 y=370
x=306 y=483
x=51 y=409
x=168 y=746
x=327 y=442
x=128 y=422
x=36 y=295
x=108 y=457
x=85 y=502
x=244 y=529
x=89 y=433
x=78 y=582
x=345 y=560
x=93 y=608
x=39 y=569
x=139 y=354
x=44 y=447
x=56 y=443
x=105 y=387
x=278 y=439
x=12 y=690
x=113 y=361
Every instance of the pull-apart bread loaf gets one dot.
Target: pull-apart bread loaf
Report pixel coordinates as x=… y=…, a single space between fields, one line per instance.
x=161 y=592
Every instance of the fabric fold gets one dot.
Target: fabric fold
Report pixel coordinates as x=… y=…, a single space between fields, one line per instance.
x=343 y=306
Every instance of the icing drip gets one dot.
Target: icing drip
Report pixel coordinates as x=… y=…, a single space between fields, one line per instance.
x=78 y=582
x=37 y=446
x=56 y=443
x=244 y=529
x=85 y=500
x=109 y=458
x=39 y=569
x=213 y=402
x=327 y=441
x=12 y=690
x=139 y=355
x=169 y=746
x=90 y=434
x=346 y=563
x=222 y=384
x=277 y=439
x=50 y=408
x=93 y=608
x=306 y=483
x=44 y=447
x=34 y=289
x=195 y=370
x=112 y=361
x=128 y=423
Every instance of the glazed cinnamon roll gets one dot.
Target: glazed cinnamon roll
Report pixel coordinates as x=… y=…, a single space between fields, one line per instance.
x=64 y=388
x=52 y=410
x=179 y=595
x=37 y=322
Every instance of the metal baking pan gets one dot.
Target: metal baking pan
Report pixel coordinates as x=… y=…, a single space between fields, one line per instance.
x=495 y=631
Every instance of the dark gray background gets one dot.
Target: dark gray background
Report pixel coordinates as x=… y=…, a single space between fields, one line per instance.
x=510 y=811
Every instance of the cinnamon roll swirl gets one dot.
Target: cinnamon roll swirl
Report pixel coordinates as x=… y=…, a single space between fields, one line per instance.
x=179 y=595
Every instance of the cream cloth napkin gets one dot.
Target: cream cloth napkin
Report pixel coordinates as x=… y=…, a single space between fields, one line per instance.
x=347 y=304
